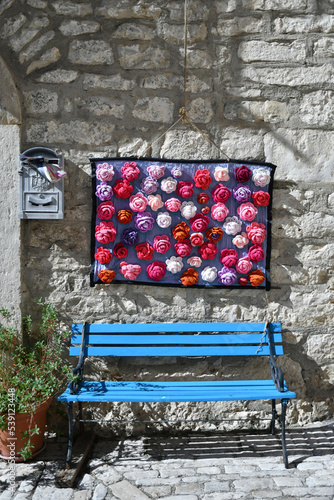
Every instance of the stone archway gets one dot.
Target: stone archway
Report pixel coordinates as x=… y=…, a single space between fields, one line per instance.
x=10 y=246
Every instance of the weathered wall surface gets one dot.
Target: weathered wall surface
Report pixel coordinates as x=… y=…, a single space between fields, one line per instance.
x=104 y=78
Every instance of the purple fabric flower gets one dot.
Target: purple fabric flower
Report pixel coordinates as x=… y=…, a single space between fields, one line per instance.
x=144 y=221
x=242 y=193
x=130 y=237
x=227 y=275
x=149 y=185
x=176 y=172
x=104 y=192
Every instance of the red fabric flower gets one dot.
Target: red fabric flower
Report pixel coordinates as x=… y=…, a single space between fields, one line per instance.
x=144 y=251
x=130 y=171
x=161 y=243
x=243 y=281
x=228 y=257
x=156 y=270
x=256 y=277
x=221 y=193
x=185 y=189
x=199 y=223
x=120 y=251
x=242 y=174
x=124 y=216
x=205 y=210
x=181 y=231
x=106 y=210
x=183 y=248
x=122 y=188
x=202 y=178
x=203 y=198
x=107 y=275
x=214 y=234
x=105 y=232
x=189 y=277
x=103 y=255
x=256 y=253
x=208 y=250
x=261 y=198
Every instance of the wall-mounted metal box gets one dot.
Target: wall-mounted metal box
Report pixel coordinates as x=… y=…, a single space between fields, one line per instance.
x=39 y=198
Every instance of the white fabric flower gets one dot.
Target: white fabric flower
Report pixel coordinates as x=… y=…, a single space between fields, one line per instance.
x=232 y=225
x=209 y=274
x=221 y=174
x=164 y=220
x=168 y=185
x=174 y=264
x=261 y=177
x=240 y=240
x=188 y=209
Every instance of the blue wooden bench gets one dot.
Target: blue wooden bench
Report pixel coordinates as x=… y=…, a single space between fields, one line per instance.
x=177 y=339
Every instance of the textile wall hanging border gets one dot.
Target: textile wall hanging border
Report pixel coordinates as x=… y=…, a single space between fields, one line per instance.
x=199 y=223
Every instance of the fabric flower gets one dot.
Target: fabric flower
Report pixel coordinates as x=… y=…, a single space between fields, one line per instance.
x=124 y=216
x=138 y=202
x=130 y=271
x=240 y=240
x=196 y=239
x=256 y=232
x=261 y=198
x=155 y=202
x=183 y=248
x=176 y=172
x=156 y=270
x=188 y=209
x=209 y=274
x=181 y=231
x=219 y=211
x=261 y=177
x=244 y=265
x=189 y=277
x=214 y=234
x=194 y=261
x=221 y=194
x=103 y=255
x=203 y=198
x=173 y=204
x=106 y=210
x=120 y=251
x=168 y=185
x=174 y=264
x=232 y=225
x=130 y=171
x=228 y=257
x=161 y=243
x=221 y=174
x=156 y=171
x=106 y=275
x=202 y=178
x=122 y=188
x=242 y=193
x=243 y=281
x=256 y=277
x=144 y=251
x=247 y=211
x=149 y=185
x=205 y=210
x=105 y=172
x=242 y=174
x=164 y=220
x=105 y=232
x=144 y=222
x=185 y=189
x=199 y=223
x=130 y=237
x=208 y=251
x=256 y=253
x=104 y=192
x=227 y=276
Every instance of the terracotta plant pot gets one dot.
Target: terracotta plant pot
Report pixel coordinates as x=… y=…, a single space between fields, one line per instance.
x=11 y=444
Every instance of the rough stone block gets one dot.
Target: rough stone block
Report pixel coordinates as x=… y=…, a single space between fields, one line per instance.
x=157 y=109
x=36 y=47
x=59 y=76
x=175 y=33
x=304 y=24
x=124 y=9
x=91 y=52
x=67 y=8
x=317 y=108
x=198 y=59
x=82 y=132
x=25 y=36
x=290 y=76
x=132 y=31
x=280 y=5
x=255 y=111
x=114 y=82
x=200 y=110
x=74 y=28
x=101 y=106
x=12 y=25
x=259 y=50
x=49 y=57
x=5 y=4
x=126 y=491
x=197 y=11
x=323 y=48
x=142 y=57
x=41 y=101
x=223 y=6
x=240 y=26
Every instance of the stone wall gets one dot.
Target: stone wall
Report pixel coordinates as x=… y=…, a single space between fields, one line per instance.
x=105 y=78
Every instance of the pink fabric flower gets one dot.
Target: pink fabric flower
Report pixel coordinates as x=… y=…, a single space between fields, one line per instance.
x=256 y=253
x=122 y=188
x=219 y=211
x=183 y=248
x=105 y=232
x=168 y=185
x=261 y=198
x=106 y=210
x=176 y=172
x=256 y=232
x=104 y=192
x=185 y=189
x=242 y=174
x=156 y=171
x=247 y=211
x=221 y=174
x=173 y=204
x=129 y=271
x=103 y=255
x=199 y=223
x=156 y=270
x=202 y=178
x=244 y=265
x=130 y=171
x=105 y=172
x=208 y=251
x=228 y=257
x=155 y=202
x=161 y=243
x=196 y=239
x=194 y=261
x=221 y=194
x=138 y=202
x=240 y=240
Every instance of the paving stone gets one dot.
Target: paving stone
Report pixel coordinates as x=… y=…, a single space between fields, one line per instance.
x=126 y=491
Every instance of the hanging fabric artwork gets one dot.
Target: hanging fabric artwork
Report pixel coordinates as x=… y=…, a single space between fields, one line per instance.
x=181 y=223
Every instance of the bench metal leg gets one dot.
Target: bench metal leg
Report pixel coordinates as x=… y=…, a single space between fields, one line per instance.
x=285 y=454
x=274 y=416
x=70 y=433
x=81 y=424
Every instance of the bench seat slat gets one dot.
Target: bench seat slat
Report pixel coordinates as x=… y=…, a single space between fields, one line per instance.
x=176 y=351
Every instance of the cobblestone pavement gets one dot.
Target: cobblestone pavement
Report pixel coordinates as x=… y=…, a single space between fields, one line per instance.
x=191 y=467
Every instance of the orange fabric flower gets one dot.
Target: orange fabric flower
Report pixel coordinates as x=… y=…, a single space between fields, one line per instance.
x=256 y=277
x=189 y=277
x=107 y=275
x=124 y=216
x=181 y=231
x=214 y=234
